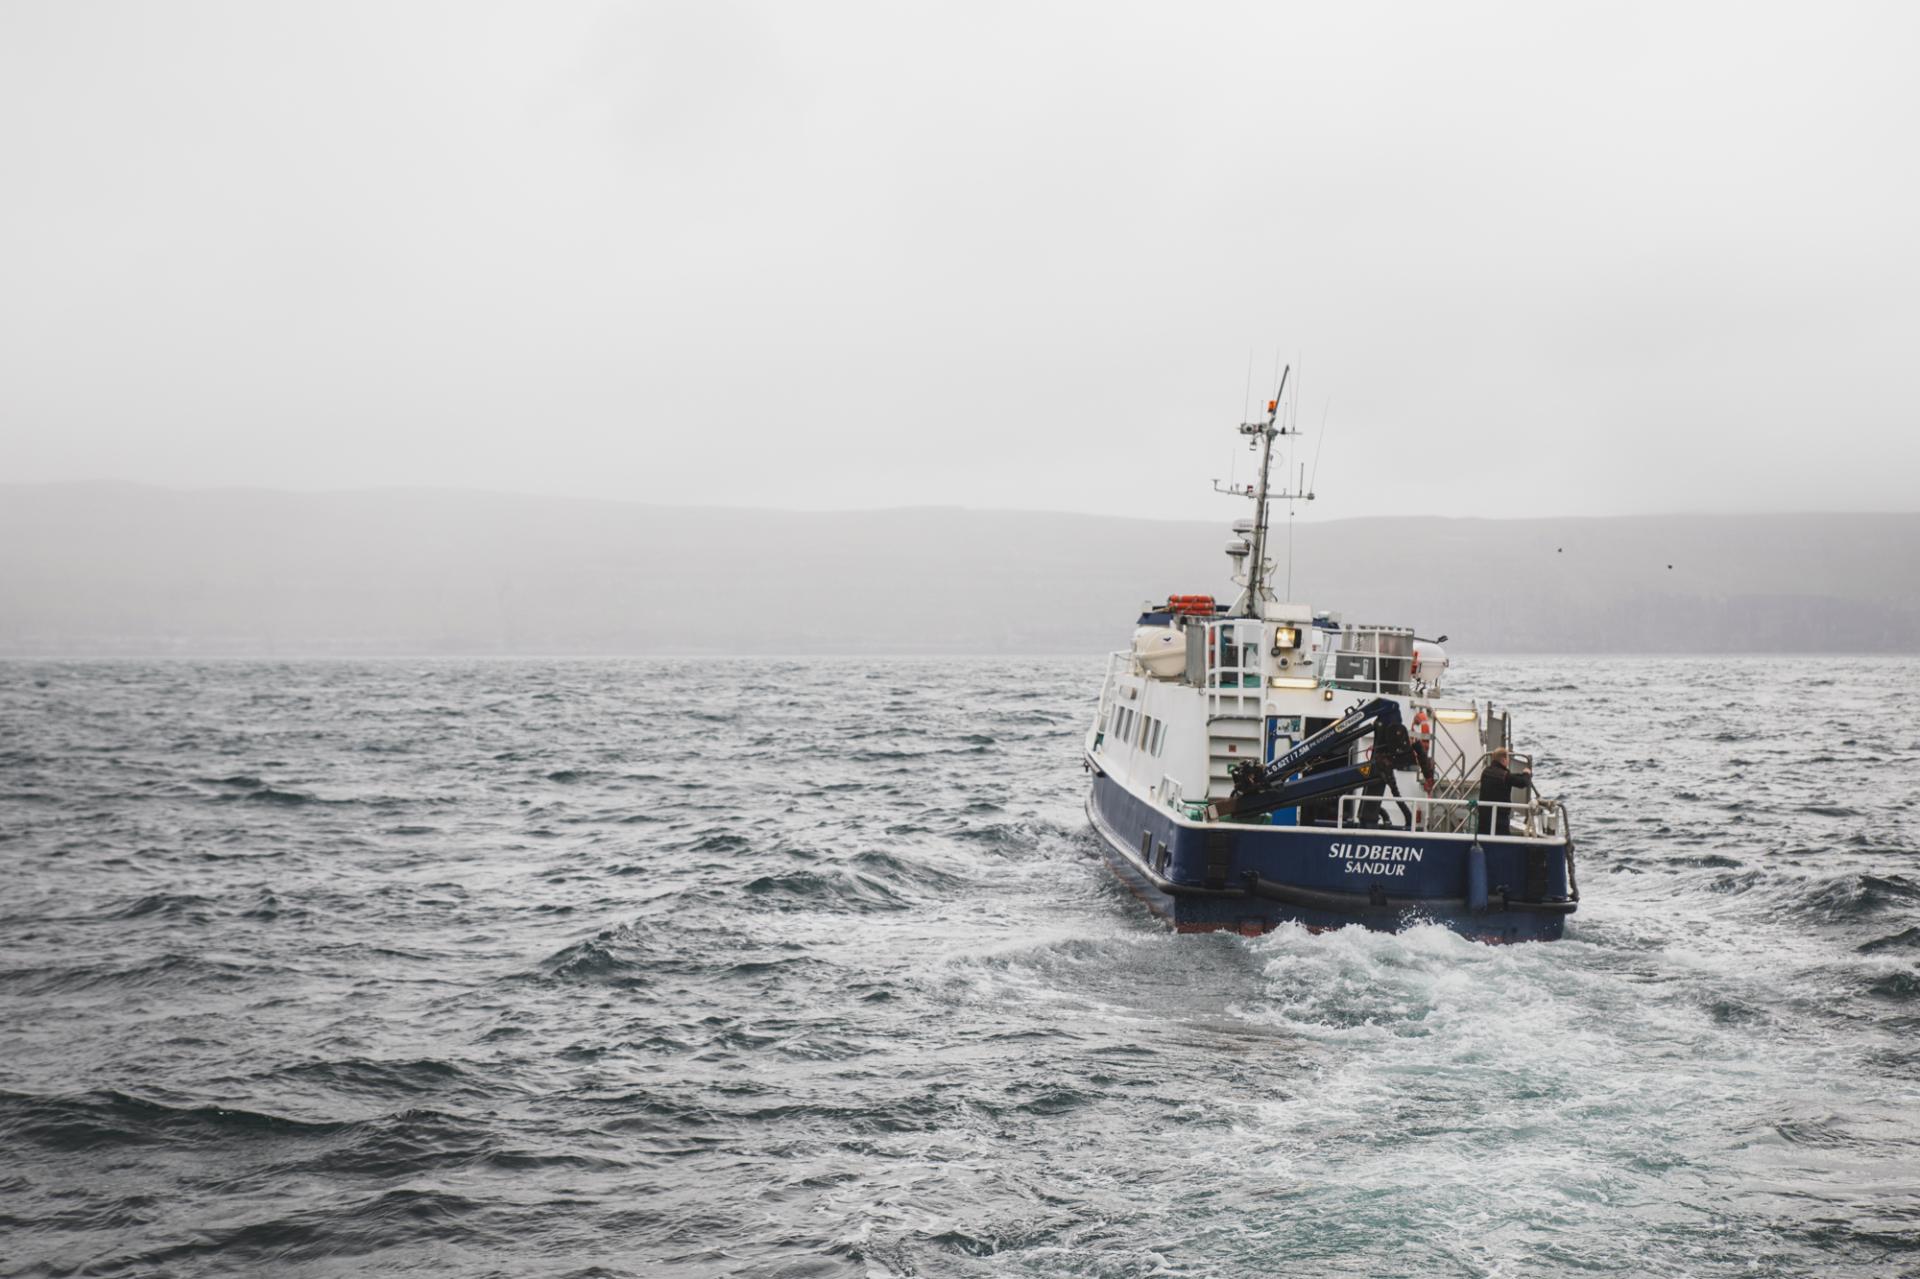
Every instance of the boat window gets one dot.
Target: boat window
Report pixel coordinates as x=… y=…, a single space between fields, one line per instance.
x=1353 y=668
x=1374 y=660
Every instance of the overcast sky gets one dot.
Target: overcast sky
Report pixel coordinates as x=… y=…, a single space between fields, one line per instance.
x=1532 y=259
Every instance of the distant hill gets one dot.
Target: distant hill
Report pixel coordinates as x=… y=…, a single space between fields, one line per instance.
x=121 y=569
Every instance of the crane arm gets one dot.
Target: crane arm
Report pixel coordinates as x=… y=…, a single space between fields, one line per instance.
x=1261 y=789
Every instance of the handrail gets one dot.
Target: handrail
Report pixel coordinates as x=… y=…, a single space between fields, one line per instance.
x=1377 y=686
x=1107 y=690
x=1526 y=815
x=1248 y=670
x=1462 y=772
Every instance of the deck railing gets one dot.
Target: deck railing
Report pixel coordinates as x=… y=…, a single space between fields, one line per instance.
x=1534 y=819
x=1116 y=661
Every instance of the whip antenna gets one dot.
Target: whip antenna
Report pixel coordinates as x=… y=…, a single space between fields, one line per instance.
x=1328 y=408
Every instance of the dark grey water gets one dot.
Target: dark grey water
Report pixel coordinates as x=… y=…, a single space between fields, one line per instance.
x=760 y=968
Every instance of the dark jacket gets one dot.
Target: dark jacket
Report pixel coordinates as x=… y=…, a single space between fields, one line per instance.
x=1497 y=785
x=1401 y=750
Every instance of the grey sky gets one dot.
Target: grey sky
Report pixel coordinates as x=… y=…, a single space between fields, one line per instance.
x=1543 y=259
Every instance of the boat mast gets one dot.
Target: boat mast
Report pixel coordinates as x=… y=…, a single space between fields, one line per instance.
x=1256 y=589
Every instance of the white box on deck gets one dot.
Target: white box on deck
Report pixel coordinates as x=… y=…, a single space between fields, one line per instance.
x=1300 y=615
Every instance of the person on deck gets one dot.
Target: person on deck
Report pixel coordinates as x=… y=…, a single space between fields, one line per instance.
x=1498 y=782
x=1397 y=749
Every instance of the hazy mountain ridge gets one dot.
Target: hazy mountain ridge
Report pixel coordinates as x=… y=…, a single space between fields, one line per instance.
x=106 y=569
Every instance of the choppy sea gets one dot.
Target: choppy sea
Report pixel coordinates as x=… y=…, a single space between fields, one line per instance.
x=765 y=968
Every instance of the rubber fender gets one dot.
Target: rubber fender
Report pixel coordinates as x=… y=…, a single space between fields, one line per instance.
x=1476 y=878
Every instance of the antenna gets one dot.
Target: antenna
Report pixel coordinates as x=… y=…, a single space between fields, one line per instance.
x=1298 y=489
x=1293 y=418
x=1289 y=551
x=1257 y=568
x=1325 y=409
x=1293 y=415
x=1261 y=436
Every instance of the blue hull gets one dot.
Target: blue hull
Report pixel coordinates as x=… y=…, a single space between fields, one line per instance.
x=1251 y=878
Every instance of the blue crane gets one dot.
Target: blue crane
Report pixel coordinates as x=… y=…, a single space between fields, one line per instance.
x=1285 y=783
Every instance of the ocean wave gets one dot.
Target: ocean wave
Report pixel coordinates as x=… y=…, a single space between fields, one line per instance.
x=380 y=1222
x=1905 y=939
x=171 y=971
x=836 y=887
x=1901 y=986
x=109 y=1118
x=162 y=904
x=272 y=795
x=387 y=1079
x=600 y=961
x=1856 y=896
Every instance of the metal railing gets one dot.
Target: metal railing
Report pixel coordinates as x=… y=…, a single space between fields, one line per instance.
x=1235 y=686
x=1370 y=682
x=1108 y=688
x=1535 y=819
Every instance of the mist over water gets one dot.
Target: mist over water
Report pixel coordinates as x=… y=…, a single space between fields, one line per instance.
x=744 y=967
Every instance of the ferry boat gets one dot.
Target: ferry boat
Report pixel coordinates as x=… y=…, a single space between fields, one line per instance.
x=1264 y=762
